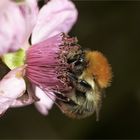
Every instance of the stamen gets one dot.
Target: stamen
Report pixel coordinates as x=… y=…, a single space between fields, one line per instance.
x=47 y=63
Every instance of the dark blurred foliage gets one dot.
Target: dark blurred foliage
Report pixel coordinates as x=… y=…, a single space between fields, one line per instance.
x=114 y=29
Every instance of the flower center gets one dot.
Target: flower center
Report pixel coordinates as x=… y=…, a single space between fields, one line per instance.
x=48 y=63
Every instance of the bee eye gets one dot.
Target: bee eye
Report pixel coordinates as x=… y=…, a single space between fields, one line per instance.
x=79 y=61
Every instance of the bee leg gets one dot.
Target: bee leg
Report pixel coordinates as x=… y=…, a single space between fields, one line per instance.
x=79 y=84
x=73 y=79
x=61 y=96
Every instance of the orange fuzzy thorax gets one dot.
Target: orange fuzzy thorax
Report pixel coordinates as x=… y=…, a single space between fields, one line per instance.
x=99 y=68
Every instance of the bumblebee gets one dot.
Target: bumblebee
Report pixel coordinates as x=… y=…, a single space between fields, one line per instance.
x=90 y=74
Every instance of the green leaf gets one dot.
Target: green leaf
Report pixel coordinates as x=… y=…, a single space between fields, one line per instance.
x=15 y=59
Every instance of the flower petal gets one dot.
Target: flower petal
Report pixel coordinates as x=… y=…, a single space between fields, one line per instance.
x=55 y=17
x=26 y=99
x=3 y=3
x=16 y=21
x=46 y=101
x=12 y=86
x=30 y=11
x=12 y=28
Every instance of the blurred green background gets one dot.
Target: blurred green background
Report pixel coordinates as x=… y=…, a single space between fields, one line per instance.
x=114 y=29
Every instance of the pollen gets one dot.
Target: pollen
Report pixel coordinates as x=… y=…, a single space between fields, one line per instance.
x=99 y=68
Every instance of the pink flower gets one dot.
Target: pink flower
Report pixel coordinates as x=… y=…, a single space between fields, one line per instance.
x=55 y=17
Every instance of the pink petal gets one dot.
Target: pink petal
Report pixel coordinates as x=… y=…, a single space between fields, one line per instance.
x=45 y=102
x=3 y=3
x=12 y=28
x=30 y=11
x=12 y=86
x=17 y=22
x=26 y=99
x=55 y=17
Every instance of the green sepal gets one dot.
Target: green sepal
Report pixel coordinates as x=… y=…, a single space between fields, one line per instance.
x=19 y=1
x=15 y=59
